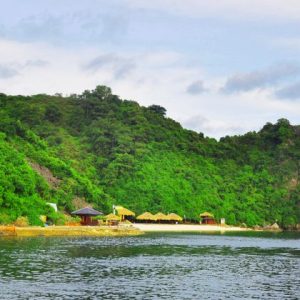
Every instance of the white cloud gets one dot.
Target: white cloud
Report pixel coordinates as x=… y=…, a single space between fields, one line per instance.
x=196 y=88
x=290 y=43
x=261 y=78
x=64 y=28
x=291 y=92
x=276 y=10
x=7 y=71
x=119 y=65
x=158 y=78
x=212 y=127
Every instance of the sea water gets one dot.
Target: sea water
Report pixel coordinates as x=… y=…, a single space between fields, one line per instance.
x=153 y=266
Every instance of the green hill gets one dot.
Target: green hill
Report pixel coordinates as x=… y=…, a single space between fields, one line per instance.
x=97 y=148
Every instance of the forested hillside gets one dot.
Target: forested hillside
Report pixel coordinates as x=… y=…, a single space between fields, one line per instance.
x=97 y=148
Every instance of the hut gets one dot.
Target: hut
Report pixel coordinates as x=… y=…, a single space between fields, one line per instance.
x=86 y=215
x=124 y=213
x=174 y=218
x=207 y=218
x=146 y=217
x=112 y=219
x=160 y=217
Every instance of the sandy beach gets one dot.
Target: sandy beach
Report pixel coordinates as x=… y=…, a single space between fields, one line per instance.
x=136 y=229
x=186 y=228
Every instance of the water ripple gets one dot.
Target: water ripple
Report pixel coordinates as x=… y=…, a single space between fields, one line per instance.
x=154 y=266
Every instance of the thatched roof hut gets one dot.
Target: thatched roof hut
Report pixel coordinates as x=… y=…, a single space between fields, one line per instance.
x=161 y=217
x=206 y=214
x=207 y=218
x=146 y=217
x=174 y=217
x=112 y=217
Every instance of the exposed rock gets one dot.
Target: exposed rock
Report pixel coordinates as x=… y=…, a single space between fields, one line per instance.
x=292 y=227
x=275 y=226
x=80 y=203
x=45 y=173
x=257 y=227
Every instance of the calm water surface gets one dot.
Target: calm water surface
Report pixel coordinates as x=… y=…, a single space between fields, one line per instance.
x=154 y=266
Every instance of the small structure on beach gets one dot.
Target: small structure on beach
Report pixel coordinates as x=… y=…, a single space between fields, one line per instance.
x=86 y=215
x=147 y=216
x=174 y=217
x=112 y=219
x=207 y=218
x=161 y=217
x=124 y=213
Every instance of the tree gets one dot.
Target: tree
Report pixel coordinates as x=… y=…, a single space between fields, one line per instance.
x=102 y=92
x=157 y=109
x=52 y=114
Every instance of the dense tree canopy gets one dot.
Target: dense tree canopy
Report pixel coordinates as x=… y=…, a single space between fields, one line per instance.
x=105 y=150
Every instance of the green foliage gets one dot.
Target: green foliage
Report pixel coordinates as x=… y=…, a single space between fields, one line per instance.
x=56 y=218
x=105 y=150
x=158 y=109
x=6 y=218
x=52 y=114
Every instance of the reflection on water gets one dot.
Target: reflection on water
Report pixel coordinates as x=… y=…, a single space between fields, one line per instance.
x=154 y=266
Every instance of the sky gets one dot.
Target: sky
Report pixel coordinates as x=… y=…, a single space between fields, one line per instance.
x=218 y=67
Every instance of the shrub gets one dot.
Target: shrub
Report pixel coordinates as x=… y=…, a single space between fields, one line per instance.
x=22 y=222
x=72 y=221
x=34 y=220
x=56 y=218
x=5 y=219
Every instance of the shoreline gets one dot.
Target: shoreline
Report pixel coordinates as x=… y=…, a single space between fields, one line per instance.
x=69 y=231
x=119 y=230
x=187 y=228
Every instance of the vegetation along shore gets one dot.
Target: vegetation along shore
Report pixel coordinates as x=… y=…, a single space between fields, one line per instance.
x=99 y=150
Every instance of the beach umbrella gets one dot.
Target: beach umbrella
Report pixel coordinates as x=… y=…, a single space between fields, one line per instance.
x=122 y=212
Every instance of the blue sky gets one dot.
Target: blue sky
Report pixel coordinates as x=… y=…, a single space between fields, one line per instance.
x=219 y=67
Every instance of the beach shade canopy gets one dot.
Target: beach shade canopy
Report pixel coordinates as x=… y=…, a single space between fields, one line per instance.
x=207 y=218
x=174 y=217
x=87 y=211
x=146 y=216
x=86 y=215
x=122 y=211
x=206 y=215
x=112 y=217
x=161 y=217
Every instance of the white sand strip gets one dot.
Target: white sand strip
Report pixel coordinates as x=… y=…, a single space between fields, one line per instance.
x=186 y=228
